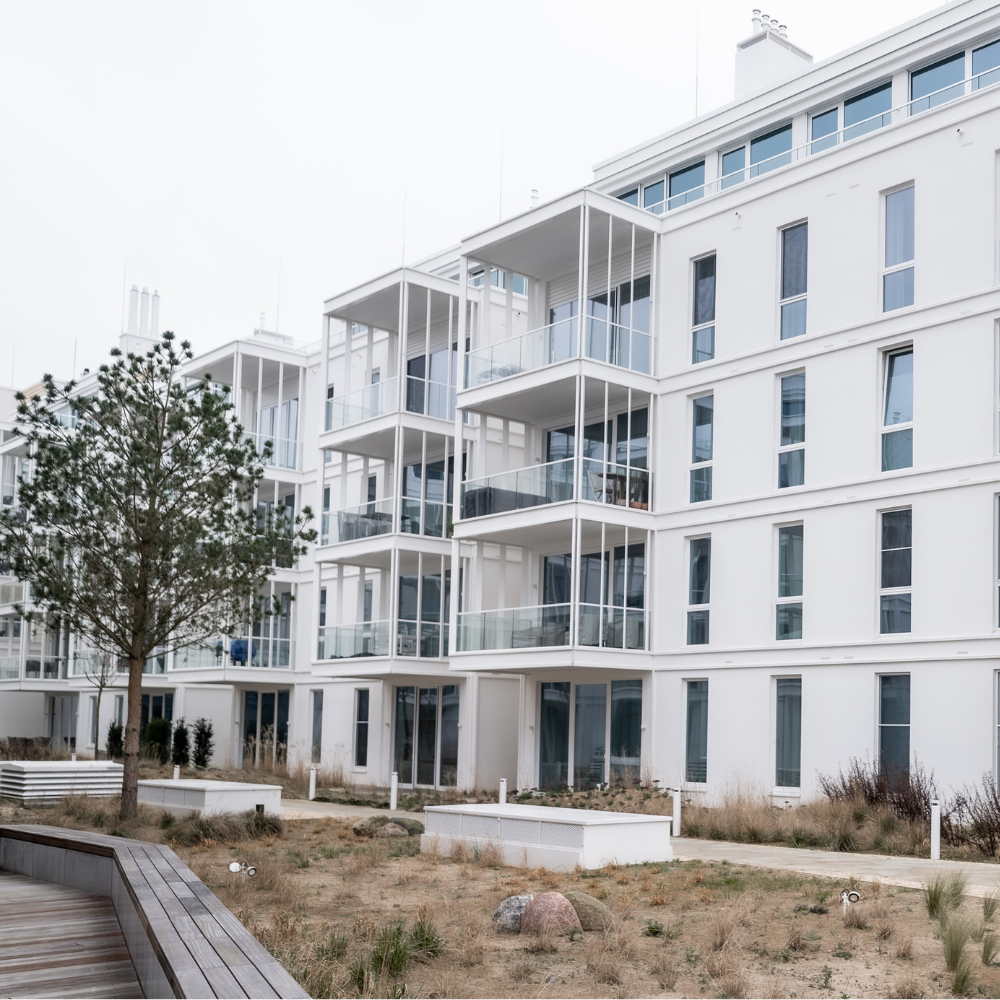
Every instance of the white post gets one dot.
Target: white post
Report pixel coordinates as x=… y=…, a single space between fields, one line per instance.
x=177 y=772
x=675 y=826
x=393 y=791
x=72 y=758
x=935 y=830
x=503 y=791
x=312 y=782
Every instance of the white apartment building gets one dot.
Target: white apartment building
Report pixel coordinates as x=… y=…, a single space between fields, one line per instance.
x=664 y=478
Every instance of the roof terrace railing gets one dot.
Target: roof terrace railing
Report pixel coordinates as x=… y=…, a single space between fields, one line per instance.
x=820 y=144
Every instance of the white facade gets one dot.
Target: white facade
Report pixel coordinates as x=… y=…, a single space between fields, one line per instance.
x=686 y=547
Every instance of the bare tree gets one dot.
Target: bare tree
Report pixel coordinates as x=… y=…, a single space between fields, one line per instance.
x=100 y=668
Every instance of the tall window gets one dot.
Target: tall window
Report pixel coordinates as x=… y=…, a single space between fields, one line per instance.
x=696 y=747
x=703 y=318
x=986 y=65
x=897 y=443
x=792 y=437
x=317 y=727
x=897 y=278
x=894 y=723
x=93 y=720
x=789 y=610
x=788 y=733
x=699 y=590
x=823 y=130
x=702 y=443
x=794 y=265
x=897 y=558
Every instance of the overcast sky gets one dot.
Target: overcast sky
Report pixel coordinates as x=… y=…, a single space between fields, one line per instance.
x=206 y=148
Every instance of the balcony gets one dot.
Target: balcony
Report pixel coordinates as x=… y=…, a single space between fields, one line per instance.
x=369 y=520
x=428 y=640
x=339 y=642
x=12 y=592
x=607 y=342
x=611 y=628
x=285 y=454
x=601 y=482
x=10 y=668
x=431 y=399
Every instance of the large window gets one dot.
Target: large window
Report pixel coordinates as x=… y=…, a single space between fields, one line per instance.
x=986 y=65
x=896 y=571
x=788 y=732
x=792 y=433
x=687 y=185
x=868 y=111
x=823 y=130
x=703 y=313
x=696 y=744
x=421 y=758
x=553 y=751
x=702 y=445
x=699 y=590
x=788 y=614
x=897 y=278
x=361 y=708
x=897 y=419
x=936 y=84
x=317 y=726
x=794 y=267
x=894 y=723
x=771 y=150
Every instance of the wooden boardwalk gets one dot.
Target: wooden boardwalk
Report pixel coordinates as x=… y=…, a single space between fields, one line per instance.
x=60 y=942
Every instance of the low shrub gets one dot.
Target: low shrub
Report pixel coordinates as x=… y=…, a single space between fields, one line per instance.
x=204 y=742
x=955 y=933
x=156 y=740
x=944 y=894
x=181 y=752
x=222 y=827
x=115 y=745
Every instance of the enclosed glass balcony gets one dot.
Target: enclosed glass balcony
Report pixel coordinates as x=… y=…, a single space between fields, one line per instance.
x=433 y=399
x=364 y=521
x=520 y=488
x=613 y=628
x=621 y=485
x=337 y=642
x=617 y=345
x=362 y=404
x=514 y=628
x=536 y=349
x=10 y=668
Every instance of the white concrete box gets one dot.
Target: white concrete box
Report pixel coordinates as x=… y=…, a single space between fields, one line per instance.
x=45 y=782
x=558 y=838
x=207 y=797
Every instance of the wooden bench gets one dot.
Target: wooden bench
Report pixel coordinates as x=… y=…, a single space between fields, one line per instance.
x=182 y=940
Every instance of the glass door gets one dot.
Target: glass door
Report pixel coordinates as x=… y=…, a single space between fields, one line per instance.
x=426 y=736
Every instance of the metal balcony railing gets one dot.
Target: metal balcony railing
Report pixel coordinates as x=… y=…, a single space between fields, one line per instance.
x=285 y=453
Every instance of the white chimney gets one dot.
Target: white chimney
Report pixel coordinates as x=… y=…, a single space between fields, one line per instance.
x=144 y=314
x=768 y=58
x=133 y=311
x=756 y=21
x=154 y=322
x=534 y=197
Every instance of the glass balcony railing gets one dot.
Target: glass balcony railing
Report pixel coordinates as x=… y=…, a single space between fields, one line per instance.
x=617 y=345
x=12 y=592
x=47 y=668
x=613 y=628
x=621 y=485
x=545 y=346
x=514 y=628
x=433 y=399
x=364 y=521
x=338 y=642
x=200 y=655
x=423 y=639
x=10 y=668
x=285 y=454
x=362 y=404
x=520 y=488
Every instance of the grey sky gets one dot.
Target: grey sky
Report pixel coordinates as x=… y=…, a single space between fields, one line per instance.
x=200 y=147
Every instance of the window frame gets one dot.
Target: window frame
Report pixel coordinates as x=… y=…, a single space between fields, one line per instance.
x=704 y=608
x=891 y=591
x=788 y=599
x=889 y=269
x=697 y=328
x=784 y=449
x=887 y=354
x=355 y=723
x=785 y=791
x=708 y=463
x=685 y=703
x=878 y=714
x=791 y=299
x=750 y=171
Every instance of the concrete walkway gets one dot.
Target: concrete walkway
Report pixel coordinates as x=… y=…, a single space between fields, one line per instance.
x=306 y=809
x=911 y=872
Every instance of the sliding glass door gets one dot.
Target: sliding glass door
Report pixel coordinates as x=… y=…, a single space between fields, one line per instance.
x=426 y=736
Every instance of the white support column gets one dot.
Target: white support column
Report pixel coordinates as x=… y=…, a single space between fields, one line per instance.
x=441 y=621
x=404 y=347
x=420 y=606
x=631 y=296
x=604 y=584
x=646 y=578
x=502 y=577
x=427 y=355
x=505 y=445
x=579 y=287
x=477 y=578
x=343 y=481
x=508 y=331
x=299 y=418
x=654 y=299
x=484 y=333
x=393 y=600
x=277 y=431
x=338 y=601
x=423 y=478
x=260 y=400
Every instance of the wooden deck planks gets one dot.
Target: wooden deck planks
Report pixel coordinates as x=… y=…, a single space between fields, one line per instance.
x=60 y=942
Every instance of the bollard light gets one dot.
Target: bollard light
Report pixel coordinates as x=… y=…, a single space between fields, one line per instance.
x=312 y=782
x=177 y=772
x=393 y=791
x=935 y=830
x=503 y=791
x=675 y=826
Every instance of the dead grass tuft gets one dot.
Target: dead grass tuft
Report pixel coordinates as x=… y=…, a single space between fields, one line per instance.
x=664 y=969
x=908 y=988
x=903 y=949
x=884 y=930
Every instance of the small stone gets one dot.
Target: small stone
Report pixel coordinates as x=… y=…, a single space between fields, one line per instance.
x=508 y=915
x=366 y=827
x=552 y=912
x=412 y=826
x=391 y=830
x=552 y=978
x=593 y=914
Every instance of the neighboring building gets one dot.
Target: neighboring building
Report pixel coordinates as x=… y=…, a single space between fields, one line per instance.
x=691 y=475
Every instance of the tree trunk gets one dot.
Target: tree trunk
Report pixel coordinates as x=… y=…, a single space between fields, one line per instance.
x=130 y=778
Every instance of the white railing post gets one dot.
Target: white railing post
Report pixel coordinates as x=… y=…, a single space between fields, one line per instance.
x=675 y=826
x=935 y=830
x=312 y=782
x=72 y=758
x=177 y=772
x=394 y=791
x=503 y=791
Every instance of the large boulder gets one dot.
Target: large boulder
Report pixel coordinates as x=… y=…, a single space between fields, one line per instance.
x=593 y=914
x=552 y=912
x=412 y=826
x=366 y=827
x=508 y=915
x=390 y=830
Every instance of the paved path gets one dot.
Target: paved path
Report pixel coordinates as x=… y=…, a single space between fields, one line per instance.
x=911 y=872
x=304 y=809
x=60 y=942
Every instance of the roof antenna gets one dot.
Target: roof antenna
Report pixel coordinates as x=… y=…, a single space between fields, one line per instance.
x=697 y=32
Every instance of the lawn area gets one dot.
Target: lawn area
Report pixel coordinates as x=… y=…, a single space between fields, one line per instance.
x=336 y=908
